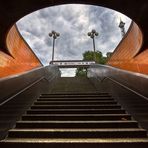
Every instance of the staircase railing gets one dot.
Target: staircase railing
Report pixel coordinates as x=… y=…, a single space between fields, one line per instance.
x=129 y=88
x=16 y=84
x=19 y=91
x=135 y=81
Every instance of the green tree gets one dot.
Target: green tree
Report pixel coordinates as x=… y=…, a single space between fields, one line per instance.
x=81 y=72
x=89 y=56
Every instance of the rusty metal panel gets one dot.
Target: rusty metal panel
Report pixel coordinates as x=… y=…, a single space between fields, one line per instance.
x=22 y=57
x=126 y=54
x=130 y=45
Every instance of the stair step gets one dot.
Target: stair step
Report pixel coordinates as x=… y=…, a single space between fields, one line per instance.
x=74 y=96
x=73 y=102
x=76 y=124
x=62 y=117
x=76 y=119
x=76 y=99
x=75 y=111
x=75 y=142
x=77 y=133
x=76 y=93
x=76 y=106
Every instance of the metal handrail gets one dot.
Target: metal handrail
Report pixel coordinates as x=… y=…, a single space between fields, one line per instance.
x=137 y=93
x=10 y=98
x=135 y=81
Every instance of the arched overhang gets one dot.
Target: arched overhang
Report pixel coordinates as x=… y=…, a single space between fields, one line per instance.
x=12 y=11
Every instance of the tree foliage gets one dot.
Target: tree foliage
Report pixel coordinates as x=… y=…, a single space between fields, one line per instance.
x=81 y=72
x=89 y=56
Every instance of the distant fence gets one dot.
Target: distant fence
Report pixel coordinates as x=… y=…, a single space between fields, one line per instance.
x=72 y=63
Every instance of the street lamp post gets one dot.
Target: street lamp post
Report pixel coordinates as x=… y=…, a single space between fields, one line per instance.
x=54 y=35
x=92 y=35
x=121 y=26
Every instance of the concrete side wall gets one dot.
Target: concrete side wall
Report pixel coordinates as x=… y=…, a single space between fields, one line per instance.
x=19 y=92
x=16 y=83
x=130 y=89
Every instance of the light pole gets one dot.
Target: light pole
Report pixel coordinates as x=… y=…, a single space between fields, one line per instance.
x=54 y=35
x=92 y=35
x=121 y=26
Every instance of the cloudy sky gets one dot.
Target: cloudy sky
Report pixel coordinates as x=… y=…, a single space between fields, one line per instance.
x=72 y=22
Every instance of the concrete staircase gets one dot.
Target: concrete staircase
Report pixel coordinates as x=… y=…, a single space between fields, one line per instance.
x=75 y=115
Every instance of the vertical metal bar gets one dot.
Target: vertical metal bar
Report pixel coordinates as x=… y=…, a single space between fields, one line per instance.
x=53 y=49
x=94 y=49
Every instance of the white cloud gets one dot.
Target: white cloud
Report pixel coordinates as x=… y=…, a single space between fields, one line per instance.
x=73 y=22
x=67 y=72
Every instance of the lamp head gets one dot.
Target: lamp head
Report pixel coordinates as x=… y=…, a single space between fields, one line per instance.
x=93 y=31
x=54 y=36
x=92 y=36
x=89 y=33
x=58 y=34
x=50 y=34
x=96 y=34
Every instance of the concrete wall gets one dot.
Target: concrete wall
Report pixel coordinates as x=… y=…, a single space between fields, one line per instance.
x=20 y=91
x=13 y=84
x=128 y=88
